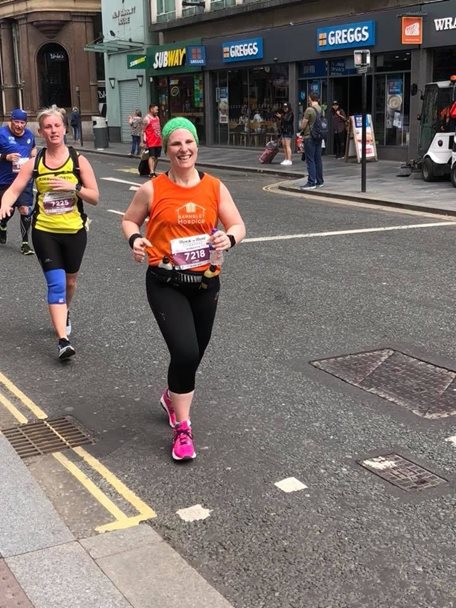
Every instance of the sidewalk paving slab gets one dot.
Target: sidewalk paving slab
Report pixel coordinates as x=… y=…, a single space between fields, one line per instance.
x=28 y=520
x=149 y=572
x=65 y=575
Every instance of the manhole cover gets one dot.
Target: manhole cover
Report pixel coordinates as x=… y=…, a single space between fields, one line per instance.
x=425 y=389
x=403 y=473
x=46 y=436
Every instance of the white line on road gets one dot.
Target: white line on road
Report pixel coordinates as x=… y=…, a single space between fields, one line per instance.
x=310 y=235
x=121 y=181
x=114 y=211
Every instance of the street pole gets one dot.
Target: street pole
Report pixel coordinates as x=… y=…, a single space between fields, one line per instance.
x=78 y=94
x=361 y=59
x=363 y=131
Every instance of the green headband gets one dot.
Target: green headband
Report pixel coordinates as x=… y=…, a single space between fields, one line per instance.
x=177 y=123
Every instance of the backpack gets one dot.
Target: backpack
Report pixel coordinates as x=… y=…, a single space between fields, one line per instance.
x=319 y=128
x=76 y=170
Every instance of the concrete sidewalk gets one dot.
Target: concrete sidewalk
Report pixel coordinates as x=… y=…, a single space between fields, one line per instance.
x=42 y=565
x=342 y=178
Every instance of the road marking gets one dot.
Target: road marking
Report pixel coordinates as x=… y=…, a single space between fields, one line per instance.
x=90 y=486
x=121 y=181
x=122 y=520
x=290 y=484
x=145 y=512
x=451 y=440
x=194 y=513
x=13 y=409
x=38 y=412
x=116 y=212
x=310 y=235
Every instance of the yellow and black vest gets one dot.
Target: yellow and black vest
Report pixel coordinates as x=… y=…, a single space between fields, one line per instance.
x=61 y=212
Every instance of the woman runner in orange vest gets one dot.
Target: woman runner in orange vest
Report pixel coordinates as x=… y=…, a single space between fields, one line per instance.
x=183 y=207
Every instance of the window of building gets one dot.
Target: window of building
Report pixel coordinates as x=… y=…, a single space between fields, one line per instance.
x=247 y=101
x=166 y=10
x=392 y=98
x=218 y=4
x=182 y=95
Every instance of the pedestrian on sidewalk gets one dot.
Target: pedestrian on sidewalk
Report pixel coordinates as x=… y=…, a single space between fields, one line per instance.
x=339 y=121
x=152 y=138
x=136 y=125
x=63 y=180
x=182 y=284
x=312 y=146
x=17 y=145
x=75 y=123
x=286 y=130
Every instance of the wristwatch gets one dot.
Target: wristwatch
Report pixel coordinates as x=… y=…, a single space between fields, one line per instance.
x=232 y=240
x=78 y=187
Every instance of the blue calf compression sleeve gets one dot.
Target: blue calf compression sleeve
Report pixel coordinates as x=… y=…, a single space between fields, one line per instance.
x=56 y=282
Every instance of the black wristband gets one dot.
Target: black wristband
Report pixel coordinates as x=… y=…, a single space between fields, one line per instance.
x=133 y=238
x=232 y=240
x=3 y=156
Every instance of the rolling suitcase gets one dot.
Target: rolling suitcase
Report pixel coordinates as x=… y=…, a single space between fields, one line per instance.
x=271 y=149
x=143 y=167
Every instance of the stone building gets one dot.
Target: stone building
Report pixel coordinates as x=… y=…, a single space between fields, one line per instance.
x=42 y=57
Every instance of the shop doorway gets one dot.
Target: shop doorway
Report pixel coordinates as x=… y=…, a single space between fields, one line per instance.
x=348 y=91
x=53 y=76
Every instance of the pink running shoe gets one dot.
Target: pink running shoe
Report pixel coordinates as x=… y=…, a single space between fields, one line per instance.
x=165 y=402
x=183 y=442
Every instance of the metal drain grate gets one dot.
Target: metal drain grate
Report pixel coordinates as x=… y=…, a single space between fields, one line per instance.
x=403 y=473
x=425 y=389
x=46 y=436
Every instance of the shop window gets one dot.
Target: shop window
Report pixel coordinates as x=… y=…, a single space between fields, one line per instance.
x=391 y=109
x=182 y=95
x=247 y=101
x=444 y=64
x=166 y=10
x=53 y=76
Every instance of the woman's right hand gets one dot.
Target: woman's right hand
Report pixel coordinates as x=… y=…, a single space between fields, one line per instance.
x=140 y=246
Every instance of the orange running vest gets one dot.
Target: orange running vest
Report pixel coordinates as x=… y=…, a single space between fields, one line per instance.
x=179 y=212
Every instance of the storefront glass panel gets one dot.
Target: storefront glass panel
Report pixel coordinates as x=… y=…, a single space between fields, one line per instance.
x=182 y=95
x=246 y=101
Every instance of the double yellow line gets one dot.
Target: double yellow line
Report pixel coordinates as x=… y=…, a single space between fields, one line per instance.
x=121 y=520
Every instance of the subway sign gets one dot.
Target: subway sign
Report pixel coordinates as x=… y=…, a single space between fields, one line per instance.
x=169 y=59
x=193 y=55
x=137 y=62
x=348 y=36
x=242 y=50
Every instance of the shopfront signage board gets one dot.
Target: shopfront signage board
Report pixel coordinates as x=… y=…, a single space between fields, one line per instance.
x=354 y=139
x=347 y=36
x=242 y=50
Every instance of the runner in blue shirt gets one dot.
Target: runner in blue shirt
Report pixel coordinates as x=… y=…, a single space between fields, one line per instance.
x=17 y=145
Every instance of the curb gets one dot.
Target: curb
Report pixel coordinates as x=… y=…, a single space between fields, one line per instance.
x=318 y=194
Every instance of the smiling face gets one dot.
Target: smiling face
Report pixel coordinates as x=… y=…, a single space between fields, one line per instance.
x=182 y=149
x=52 y=127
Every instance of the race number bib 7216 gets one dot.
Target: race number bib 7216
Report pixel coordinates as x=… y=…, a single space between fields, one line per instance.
x=190 y=251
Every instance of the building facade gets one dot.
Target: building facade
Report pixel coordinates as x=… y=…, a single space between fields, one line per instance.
x=42 y=55
x=229 y=65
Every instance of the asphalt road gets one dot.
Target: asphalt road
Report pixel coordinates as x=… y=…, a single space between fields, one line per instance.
x=262 y=413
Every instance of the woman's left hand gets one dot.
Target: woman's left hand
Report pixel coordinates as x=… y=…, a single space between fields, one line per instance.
x=220 y=240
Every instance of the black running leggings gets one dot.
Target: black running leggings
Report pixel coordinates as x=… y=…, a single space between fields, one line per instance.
x=185 y=316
